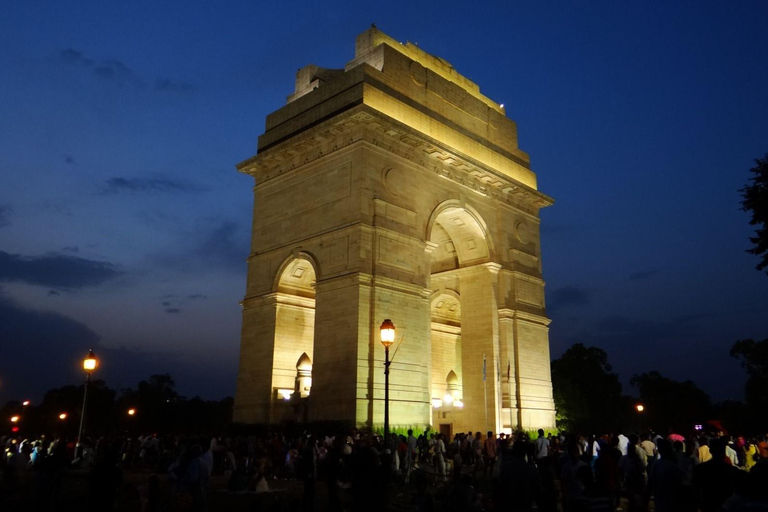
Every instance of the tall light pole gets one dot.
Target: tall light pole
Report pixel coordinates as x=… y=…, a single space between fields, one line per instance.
x=89 y=365
x=387 y=338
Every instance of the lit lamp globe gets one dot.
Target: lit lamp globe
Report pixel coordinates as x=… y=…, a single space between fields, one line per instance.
x=131 y=412
x=63 y=416
x=640 y=407
x=90 y=362
x=14 y=419
x=387 y=333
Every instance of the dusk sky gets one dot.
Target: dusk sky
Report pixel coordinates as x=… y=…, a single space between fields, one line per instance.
x=125 y=227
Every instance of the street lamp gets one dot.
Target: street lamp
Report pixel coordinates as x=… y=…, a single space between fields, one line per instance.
x=63 y=416
x=640 y=407
x=131 y=412
x=14 y=419
x=387 y=338
x=25 y=403
x=89 y=365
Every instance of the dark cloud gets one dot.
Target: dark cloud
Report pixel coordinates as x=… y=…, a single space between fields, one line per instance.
x=146 y=185
x=181 y=87
x=567 y=296
x=5 y=214
x=643 y=275
x=72 y=56
x=173 y=310
x=71 y=248
x=69 y=160
x=55 y=270
x=114 y=70
x=167 y=303
x=41 y=351
x=33 y=338
x=227 y=245
x=196 y=296
x=53 y=293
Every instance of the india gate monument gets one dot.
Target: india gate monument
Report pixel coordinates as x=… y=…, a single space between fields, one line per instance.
x=394 y=189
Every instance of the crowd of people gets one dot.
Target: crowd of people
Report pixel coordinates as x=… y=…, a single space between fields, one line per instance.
x=472 y=471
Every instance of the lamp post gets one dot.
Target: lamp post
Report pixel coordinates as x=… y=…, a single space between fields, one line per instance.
x=89 y=365
x=387 y=338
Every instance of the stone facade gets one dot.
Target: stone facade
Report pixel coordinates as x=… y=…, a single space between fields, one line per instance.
x=394 y=189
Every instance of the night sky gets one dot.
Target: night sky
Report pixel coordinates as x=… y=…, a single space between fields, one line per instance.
x=125 y=227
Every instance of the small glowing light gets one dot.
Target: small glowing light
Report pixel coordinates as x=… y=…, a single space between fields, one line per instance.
x=63 y=416
x=698 y=427
x=387 y=333
x=458 y=403
x=448 y=399
x=14 y=429
x=90 y=362
x=436 y=403
x=640 y=407
x=285 y=393
x=501 y=105
x=131 y=412
x=14 y=419
x=25 y=403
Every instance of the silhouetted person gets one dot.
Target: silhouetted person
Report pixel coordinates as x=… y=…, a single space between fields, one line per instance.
x=519 y=486
x=716 y=479
x=104 y=480
x=665 y=481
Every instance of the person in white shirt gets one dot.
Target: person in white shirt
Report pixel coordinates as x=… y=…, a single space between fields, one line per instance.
x=542 y=446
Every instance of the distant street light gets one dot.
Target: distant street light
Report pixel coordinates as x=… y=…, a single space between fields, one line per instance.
x=63 y=416
x=131 y=412
x=14 y=419
x=90 y=363
x=640 y=407
x=25 y=403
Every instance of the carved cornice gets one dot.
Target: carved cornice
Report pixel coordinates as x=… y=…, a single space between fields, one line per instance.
x=364 y=124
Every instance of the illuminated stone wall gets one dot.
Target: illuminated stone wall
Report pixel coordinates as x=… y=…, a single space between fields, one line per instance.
x=394 y=189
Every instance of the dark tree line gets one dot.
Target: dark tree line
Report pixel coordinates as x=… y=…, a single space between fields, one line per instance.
x=588 y=395
x=157 y=407
x=755 y=200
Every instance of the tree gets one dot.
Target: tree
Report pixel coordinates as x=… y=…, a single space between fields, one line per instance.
x=670 y=404
x=587 y=394
x=756 y=201
x=754 y=359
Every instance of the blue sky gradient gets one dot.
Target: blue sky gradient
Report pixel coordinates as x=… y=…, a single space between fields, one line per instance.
x=124 y=225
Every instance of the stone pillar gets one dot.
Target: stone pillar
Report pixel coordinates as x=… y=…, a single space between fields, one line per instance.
x=510 y=414
x=254 y=380
x=480 y=335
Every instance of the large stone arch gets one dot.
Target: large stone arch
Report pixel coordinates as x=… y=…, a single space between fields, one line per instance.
x=460 y=235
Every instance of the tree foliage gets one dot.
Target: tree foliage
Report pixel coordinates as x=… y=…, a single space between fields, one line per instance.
x=587 y=393
x=671 y=404
x=755 y=200
x=754 y=359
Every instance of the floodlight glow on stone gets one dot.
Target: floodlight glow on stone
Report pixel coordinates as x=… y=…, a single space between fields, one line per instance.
x=448 y=399
x=436 y=403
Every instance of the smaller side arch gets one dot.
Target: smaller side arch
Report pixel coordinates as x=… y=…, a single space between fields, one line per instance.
x=460 y=207
x=297 y=255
